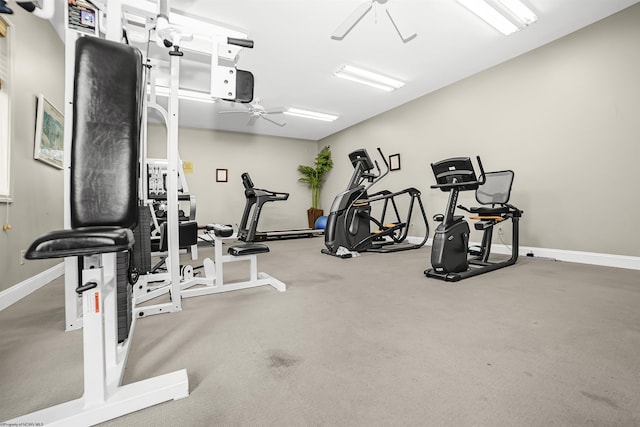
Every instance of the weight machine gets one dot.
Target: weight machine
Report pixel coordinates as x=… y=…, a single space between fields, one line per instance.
x=104 y=152
x=97 y=237
x=142 y=23
x=228 y=83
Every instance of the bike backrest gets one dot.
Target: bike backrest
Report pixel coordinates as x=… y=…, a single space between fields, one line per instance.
x=496 y=188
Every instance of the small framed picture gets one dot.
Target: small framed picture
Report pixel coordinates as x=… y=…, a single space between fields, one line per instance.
x=222 y=175
x=394 y=162
x=49 y=139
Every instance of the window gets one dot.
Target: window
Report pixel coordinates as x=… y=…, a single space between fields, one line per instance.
x=5 y=160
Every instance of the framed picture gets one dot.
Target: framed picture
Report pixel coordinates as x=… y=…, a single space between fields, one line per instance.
x=394 y=162
x=222 y=175
x=49 y=140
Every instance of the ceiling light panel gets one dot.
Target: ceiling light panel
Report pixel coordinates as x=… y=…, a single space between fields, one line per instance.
x=369 y=78
x=520 y=11
x=497 y=14
x=310 y=114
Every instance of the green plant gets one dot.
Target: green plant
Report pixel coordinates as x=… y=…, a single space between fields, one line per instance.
x=314 y=175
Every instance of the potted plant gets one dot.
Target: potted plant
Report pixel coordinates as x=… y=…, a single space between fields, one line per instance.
x=314 y=177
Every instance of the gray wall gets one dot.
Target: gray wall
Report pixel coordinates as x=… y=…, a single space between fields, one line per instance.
x=38 y=67
x=565 y=118
x=271 y=161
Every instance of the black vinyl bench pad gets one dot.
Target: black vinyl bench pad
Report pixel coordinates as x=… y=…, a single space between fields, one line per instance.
x=80 y=242
x=248 y=249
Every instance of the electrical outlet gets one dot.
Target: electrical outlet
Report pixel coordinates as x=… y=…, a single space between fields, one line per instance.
x=22 y=253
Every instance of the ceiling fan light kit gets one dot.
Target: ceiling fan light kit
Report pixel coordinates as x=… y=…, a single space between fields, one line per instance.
x=506 y=16
x=369 y=78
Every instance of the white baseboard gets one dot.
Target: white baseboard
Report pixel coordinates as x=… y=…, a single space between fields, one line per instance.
x=24 y=288
x=592 y=258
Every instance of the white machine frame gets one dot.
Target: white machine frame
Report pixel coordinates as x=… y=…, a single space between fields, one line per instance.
x=105 y=360
x=104 y=397
x=206 y=39
x=222 y=85
x=214 y=274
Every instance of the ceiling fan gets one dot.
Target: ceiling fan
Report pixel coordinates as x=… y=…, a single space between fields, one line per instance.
x=402 y=27
x=257 y=111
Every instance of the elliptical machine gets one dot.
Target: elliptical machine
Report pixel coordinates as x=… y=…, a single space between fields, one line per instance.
x=349 y=222
x=450 y=251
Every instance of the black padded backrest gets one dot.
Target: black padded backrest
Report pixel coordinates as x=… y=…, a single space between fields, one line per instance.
x=107 y=111
x=496 y=188
x=187 y=235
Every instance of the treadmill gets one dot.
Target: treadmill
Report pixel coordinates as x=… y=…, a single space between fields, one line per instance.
x=256 y=198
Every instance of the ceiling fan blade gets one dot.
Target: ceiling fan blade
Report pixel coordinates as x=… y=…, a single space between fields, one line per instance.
x=402 y=25
x=253 y=119
x=355 y=17
x=273 y=121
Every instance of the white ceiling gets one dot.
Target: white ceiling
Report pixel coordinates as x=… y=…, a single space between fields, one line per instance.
x=294 y=57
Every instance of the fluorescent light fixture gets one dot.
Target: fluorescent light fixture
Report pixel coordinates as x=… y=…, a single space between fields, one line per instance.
x=186 y=94
x=520 y=11
x=368 y=78
x=310 y=114
x=498 y=17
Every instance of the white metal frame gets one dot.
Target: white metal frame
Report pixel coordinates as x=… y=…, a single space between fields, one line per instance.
x=104 y=397
x=208 y=39
x=214 y=274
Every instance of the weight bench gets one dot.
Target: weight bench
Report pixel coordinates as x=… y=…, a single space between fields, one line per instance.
x=107 y=105
x=214 y=269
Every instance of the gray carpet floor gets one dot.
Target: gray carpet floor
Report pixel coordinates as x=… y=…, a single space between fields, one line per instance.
x=367 y=341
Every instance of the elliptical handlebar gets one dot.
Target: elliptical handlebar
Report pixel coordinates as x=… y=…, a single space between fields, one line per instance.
x=363 y=165
x=373 y=178
x=386 y=164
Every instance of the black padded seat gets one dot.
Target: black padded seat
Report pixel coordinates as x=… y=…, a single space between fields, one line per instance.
x=80 y=242
x=486 y=211
x=248 y=249
x=220 y=230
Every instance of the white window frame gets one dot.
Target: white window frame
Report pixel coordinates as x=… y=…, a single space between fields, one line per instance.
x=5 y=117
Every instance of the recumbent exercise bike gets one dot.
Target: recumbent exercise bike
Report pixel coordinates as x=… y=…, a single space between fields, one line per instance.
x=451 y=257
